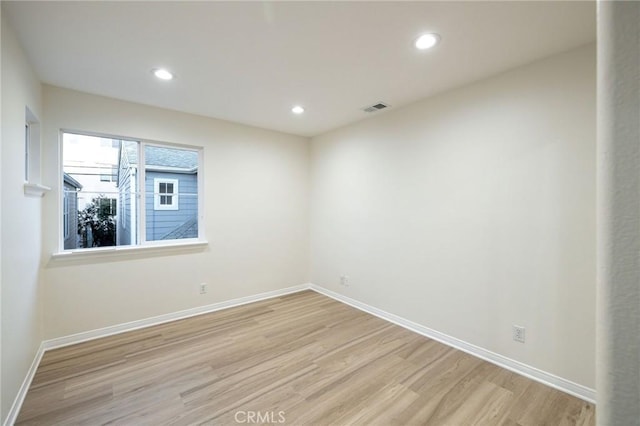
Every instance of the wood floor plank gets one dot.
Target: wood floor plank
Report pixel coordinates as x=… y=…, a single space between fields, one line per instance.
x=302 y=358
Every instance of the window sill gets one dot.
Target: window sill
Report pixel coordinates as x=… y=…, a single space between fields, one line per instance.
x=127 y=252
x=35 y=190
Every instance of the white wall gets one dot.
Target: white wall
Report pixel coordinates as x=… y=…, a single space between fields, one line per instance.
x=472 y=211
x=1 y=409
x=256 y=195
x=467 y=212
x=21 y=224
x=618 y=295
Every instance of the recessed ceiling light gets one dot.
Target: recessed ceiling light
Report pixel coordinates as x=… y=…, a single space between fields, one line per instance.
x=162 y=74
x=297 y=109
x=427 y=41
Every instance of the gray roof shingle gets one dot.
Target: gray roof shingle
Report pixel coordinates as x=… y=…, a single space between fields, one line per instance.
x=161 y=156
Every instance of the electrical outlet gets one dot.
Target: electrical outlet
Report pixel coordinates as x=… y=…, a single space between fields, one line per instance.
x=203 y=288
x=344 y=280
x=518 y=333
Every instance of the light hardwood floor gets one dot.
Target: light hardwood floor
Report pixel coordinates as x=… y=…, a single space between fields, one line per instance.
x=302 y=359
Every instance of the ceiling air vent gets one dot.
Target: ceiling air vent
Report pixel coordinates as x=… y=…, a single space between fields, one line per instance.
x=376 y=107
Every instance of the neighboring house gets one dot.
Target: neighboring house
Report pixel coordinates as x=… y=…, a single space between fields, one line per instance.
x=171 y=186
x=70 y=212
x=93 y=162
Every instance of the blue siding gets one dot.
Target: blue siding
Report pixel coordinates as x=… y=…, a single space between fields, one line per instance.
x=71 y=199
x=125 y=198
x=172 y=224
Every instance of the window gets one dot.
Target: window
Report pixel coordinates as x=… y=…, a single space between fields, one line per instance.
x=107 y=206
x=32 y=185
x=151 y=195
x=166 y=194
x=27 y=138
x=31 y=147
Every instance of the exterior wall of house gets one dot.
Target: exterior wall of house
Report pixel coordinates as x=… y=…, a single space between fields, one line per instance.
x=172 y=224
x=125 y=198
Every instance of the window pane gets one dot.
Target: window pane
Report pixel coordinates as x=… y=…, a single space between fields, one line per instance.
x=26 y=152
x=172 y=212
x=91 y=190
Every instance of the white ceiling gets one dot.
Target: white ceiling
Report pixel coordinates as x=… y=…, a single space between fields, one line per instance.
x=250 y=62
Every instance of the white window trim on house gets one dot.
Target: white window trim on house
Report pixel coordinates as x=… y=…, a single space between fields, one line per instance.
x=159 y=197
x=142 y=246
x=65 y=216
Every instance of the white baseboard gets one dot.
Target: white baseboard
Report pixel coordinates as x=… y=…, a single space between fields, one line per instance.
x=161 y=319
x=133 y=325
x=548 y=379
x=533 y=373
x=22 y=392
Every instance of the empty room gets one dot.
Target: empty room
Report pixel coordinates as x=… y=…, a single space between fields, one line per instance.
x=320 y=213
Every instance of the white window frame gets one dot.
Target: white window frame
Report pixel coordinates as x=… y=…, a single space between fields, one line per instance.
x=138 y=180
x=157 y=195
